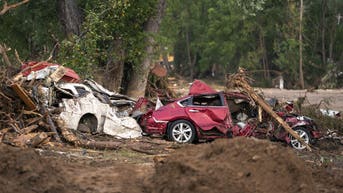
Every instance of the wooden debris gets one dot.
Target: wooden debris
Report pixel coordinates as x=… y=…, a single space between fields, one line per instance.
x=7 y=7
x=33 y=120
x=58 y=74
x=3 y=50
x=29 y=129
x=72 y=138
x=241 y=81
x=23 y=96
x=37 y=139
x=158 y=159
x=53 y=128
x=3 y=133
x=23 y=139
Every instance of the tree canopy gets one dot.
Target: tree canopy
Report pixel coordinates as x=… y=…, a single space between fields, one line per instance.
x=207 y=38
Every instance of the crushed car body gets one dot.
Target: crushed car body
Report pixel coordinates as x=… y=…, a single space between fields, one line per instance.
x=85 y=106
x=207 y=114
x=85 y=112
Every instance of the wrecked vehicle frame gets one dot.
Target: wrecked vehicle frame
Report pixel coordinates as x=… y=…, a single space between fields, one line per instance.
x=207 y=114
x=84 y=106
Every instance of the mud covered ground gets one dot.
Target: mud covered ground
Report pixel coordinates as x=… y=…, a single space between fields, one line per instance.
x=225 y=165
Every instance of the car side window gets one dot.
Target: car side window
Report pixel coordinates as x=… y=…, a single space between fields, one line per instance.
x=185 y=102
x=81 y=91
x=207 y=100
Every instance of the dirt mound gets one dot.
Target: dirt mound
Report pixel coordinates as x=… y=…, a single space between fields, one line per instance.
x=22 y=170
x=237 y=165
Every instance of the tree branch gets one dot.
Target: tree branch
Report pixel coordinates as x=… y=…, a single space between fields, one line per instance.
x=3 y=50
x=7 y=7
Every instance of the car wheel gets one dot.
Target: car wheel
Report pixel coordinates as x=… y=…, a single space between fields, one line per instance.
x=88 y=123
x=304 y=134
x=182 y=131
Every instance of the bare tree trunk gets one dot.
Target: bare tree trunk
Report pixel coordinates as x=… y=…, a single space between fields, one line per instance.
x=70 y=17
x=138 y=82
x=191 y=62
x=332 y=32
x=114 y=69
x=266 y=72
x=3 y=50
x=323 y=32
x=301 y=73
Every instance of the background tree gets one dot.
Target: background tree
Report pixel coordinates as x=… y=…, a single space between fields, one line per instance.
x=70 y=17
x=261 y=35
x=111 y=41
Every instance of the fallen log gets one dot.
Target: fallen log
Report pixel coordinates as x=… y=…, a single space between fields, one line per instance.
x=240 y=81
x=33 y=120
x=3 y=133
x=29 y=129
x=73 y=139
x=3 y=50
x=37 y=139
x=45 y=112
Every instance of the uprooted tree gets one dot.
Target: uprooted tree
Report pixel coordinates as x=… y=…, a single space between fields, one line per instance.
x=241 y=81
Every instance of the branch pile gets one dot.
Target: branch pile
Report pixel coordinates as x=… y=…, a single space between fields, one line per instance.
x=241 y=81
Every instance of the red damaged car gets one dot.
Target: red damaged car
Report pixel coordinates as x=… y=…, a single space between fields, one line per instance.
x=204 y=114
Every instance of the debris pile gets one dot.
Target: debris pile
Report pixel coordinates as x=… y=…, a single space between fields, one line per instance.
x=236 y=165
x=43 y=104
x=241 y=81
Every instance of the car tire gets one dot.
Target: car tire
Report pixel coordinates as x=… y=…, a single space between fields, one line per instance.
x=181 y=131
x=304 y=134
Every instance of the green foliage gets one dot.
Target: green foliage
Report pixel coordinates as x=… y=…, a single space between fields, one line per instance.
x=108 y=25
x=31 y=29
x=232 y=33
x=225 y=33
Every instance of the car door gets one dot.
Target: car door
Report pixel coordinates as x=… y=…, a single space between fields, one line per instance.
x=208 y=111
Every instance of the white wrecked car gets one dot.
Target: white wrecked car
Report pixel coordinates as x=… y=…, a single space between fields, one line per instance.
x=94 y=109
x=85 y=107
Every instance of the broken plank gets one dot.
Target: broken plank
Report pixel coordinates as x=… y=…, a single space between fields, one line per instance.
x=58 y=74
x=23 y=96
x=29 y=129
x=72 y=138
x=33 y=120
x=37 y=139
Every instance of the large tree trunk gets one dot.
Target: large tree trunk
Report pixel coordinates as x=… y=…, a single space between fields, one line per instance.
x=70 y=17
x=138 y=81
x=301 y=73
